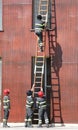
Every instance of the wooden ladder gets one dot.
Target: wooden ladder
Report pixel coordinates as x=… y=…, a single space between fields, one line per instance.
x=40 y=57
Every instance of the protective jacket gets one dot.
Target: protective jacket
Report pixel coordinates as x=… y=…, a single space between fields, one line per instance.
x=6 y=102
x=42 y=110
x=29 y=102
x=39 y=25
x=29 y=111
x=41 y=102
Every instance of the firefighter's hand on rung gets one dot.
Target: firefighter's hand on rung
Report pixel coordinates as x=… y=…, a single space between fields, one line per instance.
x=41 y=89
x=32 y=89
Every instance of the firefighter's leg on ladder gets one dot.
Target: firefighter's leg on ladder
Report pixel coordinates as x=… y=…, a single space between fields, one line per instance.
x=40 y=41
x=40 y=112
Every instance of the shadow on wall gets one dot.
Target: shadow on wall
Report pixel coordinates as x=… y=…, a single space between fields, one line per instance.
x=57 y=58
x=56 y=64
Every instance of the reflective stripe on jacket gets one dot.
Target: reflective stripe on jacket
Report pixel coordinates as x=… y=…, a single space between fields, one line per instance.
x=41 y=102
x=6 y=102
x=29 y=102
x=39 y=25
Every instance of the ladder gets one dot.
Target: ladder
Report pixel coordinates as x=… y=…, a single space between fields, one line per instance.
x=55 y=80
x=40 y=57
x=43 y=9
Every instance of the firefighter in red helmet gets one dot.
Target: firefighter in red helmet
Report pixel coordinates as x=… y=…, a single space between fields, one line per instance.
x=42 y=109
x=6 y=106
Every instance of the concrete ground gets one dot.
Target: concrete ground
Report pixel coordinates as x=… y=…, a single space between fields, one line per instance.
x=15 y=126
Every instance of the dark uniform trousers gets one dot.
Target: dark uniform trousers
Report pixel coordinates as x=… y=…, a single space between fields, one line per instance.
x=42 y=111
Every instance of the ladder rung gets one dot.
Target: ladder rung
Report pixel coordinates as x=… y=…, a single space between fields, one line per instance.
x=35 y=113
x=39 y=61
x=38 y=77
x=38 y=66
x=43 y=15
x=35 y=92
x=55 y=97
x=43 y=0
x=57 y=116
x=43 y=10
x=37 y=87
x=39 y=56
x=35 y=119
x=43 y=5
x=37 y=82
x=56 y=110
x=38 y=71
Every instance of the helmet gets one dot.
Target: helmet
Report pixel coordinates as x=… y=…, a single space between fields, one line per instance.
x=6 y=91
x=39 y=16
x=40 y=94
x=29 y=93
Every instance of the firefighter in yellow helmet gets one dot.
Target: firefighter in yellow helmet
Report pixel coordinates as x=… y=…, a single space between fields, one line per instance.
x=6 y=107
x=42 y=109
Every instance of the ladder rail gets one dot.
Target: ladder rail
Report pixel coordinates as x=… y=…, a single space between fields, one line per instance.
x=39 y=68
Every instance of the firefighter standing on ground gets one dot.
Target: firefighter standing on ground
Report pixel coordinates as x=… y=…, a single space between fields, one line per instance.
x=29 y=109
x=39 y=26
x=6 y=107
x=42 y=109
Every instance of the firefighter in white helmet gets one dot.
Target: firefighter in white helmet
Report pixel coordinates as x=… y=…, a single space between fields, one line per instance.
x=6 y=107
x=42 y=109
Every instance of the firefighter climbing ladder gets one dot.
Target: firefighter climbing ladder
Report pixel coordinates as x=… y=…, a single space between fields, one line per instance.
x=40 y=56
x=55 y=81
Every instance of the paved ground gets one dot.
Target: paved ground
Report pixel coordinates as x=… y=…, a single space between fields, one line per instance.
x=15 y=126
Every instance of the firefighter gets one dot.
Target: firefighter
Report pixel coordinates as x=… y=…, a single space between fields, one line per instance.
x=29 y=109
x=6 y=107
x=39 y=26
x=42 y=109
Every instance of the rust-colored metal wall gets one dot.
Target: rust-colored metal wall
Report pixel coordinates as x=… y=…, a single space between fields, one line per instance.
x=17 y=45
x=67 y=37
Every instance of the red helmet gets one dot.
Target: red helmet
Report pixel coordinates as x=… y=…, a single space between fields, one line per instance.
x=6 y=91
x=40 y=94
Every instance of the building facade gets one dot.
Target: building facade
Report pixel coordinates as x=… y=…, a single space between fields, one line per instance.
x=18 y=46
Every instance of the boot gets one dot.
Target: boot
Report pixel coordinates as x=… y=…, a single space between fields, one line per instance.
x=47 y=125
x=5 y=123
x=39 y=125
x=26 y=124
x=41 y=48
x=30 y=123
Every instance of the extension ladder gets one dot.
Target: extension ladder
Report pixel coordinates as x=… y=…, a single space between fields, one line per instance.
x=40 y=56
x=43 y=9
